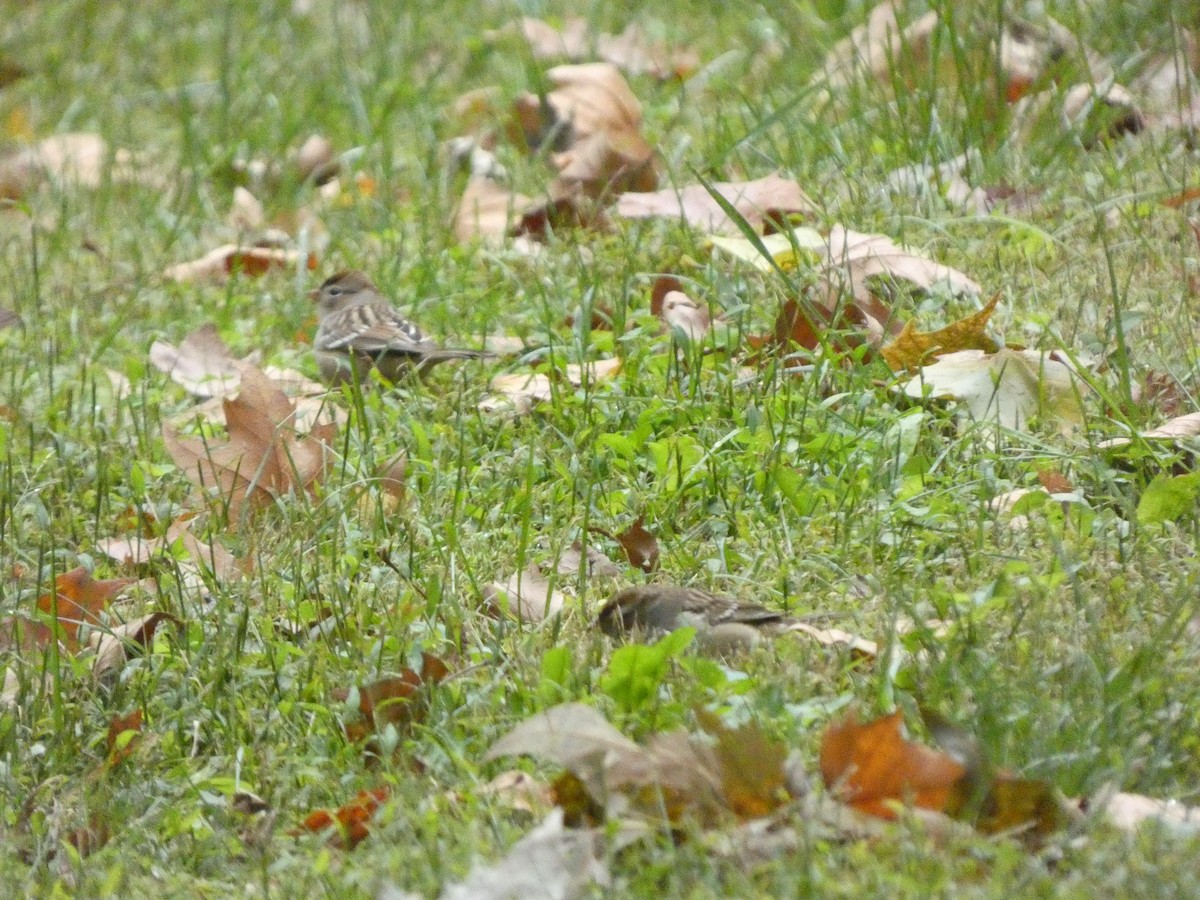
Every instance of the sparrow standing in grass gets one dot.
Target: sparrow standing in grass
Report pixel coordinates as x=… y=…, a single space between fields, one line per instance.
x=723 y=625
x=358 y=329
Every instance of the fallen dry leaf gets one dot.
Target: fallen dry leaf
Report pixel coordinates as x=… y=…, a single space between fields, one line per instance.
x=78 y=159
x=1009 y=387
x=874 y=769
x=264 y=458
x=113 y=645
x=1130 y=812
x=640 y=546
x=350 y=820
x=631 y=51
x=679 y=311
x=1180 y=427
x=572 y=561
x=526 y=594
x=399 y=700
x=488 y=211
x=120 y=746
x=911 y=348
x=218 y=265
x=202 y=364
x=769 y=199
x=77 y=600
x=876 y=46
x=246 y=212
x=551 y=861
x=835 y=637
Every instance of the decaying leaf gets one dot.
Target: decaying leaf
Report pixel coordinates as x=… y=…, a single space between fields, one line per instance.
x=113 y=646
x=264 y=458
x=79 y=159
x=518 y=392
x=1009 y=387
x=673 y=776
x=679 y=311
x=526 y=595
x=123 y=732
x=595 y=121
x=351 y=820
x=219 y=264
x=596 y=563
x=202 y=364
x=835 y=637
x=1130 y=812
x=551 y=861
x=911 y=348
x=770 y=199
x=640 y=546
x=202 y=555
x=1187 y=426
x=876 y=770
x=77 y=600
x=399 y=700
x=631 y=51
x=878 y=44
x=488 y=211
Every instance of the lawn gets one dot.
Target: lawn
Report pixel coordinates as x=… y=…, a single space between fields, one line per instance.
x=1060 y=637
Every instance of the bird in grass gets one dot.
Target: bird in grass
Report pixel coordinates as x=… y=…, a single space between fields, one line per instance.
x=358 y=329
x=723 y=625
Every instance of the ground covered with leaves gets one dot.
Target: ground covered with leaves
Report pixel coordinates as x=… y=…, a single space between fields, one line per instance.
x=877 y=321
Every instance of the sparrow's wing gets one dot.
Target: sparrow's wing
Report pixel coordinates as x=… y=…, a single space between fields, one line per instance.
x=373 y=329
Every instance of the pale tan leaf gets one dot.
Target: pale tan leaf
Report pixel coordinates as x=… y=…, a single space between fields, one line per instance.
x=571 y=735
x=246 y=213
x=682 y=312
x=112 y=645
x=873 y=47
x=1132 y=811
x=488 y=212
x=835 y=637
x=517 y=393
x=218 y=265
x=526 y=595
x=768 y=198
x=202 y=364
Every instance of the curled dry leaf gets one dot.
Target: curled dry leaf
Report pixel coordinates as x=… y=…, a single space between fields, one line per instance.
x=246 y=214
x=202 y=364
x=876 y=46
x=1102 y=111
x=947 y=180
x=398 y=701
x=640 y=546
x=769 y=199
x=79 y=159
x=77 y=600
x=679 y=311
x=595 y=121
x=875 y=769
x=1130 y=812
x=551 y=861
x=1009 y=387
x=351 y=820
x=911 y=348
x=517 y=393
x=572 y=561
x=1180 y=427
x=835 y=637
x=631 y=51
x=264 y=458
x=114 y=646
x=488 y=211
x=218 y=265
x=526 y=594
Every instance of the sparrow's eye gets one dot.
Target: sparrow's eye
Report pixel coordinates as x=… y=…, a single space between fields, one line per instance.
x=333 y=290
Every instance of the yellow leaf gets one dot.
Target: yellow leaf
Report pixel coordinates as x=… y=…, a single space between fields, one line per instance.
x=911 y=348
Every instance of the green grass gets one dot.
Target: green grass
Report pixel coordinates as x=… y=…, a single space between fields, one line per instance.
x=1071 y=659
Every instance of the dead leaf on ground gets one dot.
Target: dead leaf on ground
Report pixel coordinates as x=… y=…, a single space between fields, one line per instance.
x=79 y=159
x=631 y=51
x=398 y=700
x=351 y=820
x=202 y=364
x=679 y=311
x=875 y=769
x=1028 y=51
x=874 y=47
x=771 y=199
x=640 y=546
x=207 y=555
x=947 y=180
x=113 y=646
x=1187 y=426
x=217 y=266
x=264 y=458
x=551 y=861
x=314 y=404
x=572 y=561
x=911 y=348
x=495 y=216
x=123 y=732
x=1009 y=387
x=517 y=393
x=595 y=122
x=77 y=600
x=1130 y=812
x=246 y=213
x=835 y=637
x=526 y=595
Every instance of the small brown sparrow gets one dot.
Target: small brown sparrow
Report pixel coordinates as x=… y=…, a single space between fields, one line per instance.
x=358 y=329
x=722 y=624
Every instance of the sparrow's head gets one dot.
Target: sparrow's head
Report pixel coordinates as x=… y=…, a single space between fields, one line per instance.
x=340 y=288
